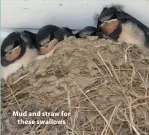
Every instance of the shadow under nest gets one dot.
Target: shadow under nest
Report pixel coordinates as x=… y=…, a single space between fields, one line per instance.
x=104 y=85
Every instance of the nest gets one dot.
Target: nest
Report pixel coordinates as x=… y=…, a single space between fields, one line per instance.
x=102 y=84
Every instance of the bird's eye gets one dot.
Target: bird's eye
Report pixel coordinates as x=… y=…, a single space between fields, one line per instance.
x=114 y=16
x=93 y=34
x=99 y=22
x=15 y=43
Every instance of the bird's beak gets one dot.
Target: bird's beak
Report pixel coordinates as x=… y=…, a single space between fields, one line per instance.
x=46 y=49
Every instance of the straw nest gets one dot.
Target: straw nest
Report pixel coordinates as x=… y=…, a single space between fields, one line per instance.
x=102 y=84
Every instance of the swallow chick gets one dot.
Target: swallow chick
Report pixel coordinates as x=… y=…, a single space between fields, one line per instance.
x=90 y=31
x=48 y=37
x=122 y=27
x=15 y=54
x=46 y=43
x=29 y=38
x=63 y=33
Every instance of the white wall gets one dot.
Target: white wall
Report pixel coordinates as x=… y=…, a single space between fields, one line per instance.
x=72 y=13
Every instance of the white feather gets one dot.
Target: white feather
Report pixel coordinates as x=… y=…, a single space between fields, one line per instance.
x=28 y=57
x=132 y=34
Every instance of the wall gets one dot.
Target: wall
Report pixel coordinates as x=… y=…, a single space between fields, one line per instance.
x=72 y=13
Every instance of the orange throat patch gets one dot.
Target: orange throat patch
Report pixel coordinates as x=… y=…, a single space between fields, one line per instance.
x=15 y=53
x=110 y=26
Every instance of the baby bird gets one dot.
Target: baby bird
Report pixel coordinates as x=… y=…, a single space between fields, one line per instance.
x=29 y=38
x=122 y=27
x=90 y=31
x=63 y=33
x=15 y=53
x=48 y=37
x=87 y=31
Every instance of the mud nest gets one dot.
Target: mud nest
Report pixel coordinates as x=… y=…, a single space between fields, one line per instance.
x=102 y=84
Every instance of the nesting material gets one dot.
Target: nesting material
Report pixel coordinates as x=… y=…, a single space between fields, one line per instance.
x=103 y=84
